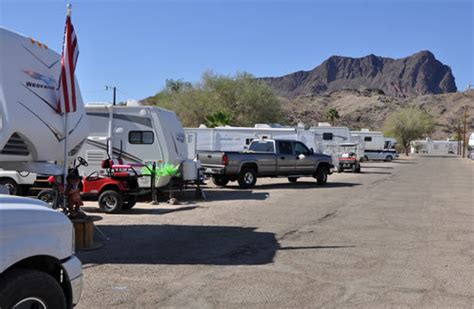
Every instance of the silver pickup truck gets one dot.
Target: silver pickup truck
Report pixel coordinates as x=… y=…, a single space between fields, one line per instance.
x=265 y=158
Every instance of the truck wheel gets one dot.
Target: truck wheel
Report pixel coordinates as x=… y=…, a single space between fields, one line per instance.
x=322 y=176
x=220 y=181
x=110 y=201
x=357 y=169
x=292 y=179
x=247 y=178
x=132 y=200
x=11 y=185
x=25 y=288
x=388 y=158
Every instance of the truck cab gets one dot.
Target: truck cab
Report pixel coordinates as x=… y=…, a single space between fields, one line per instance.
x=38 y=268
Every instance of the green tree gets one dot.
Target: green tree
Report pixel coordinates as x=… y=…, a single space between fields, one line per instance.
x=331 y=115
x=244 y=98
x=408 y=124
x=219 y=118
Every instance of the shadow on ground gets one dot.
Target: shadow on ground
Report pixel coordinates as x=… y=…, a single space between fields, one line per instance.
x=306 y=185
x=182 y=244
x=141 y=211
x=217 y=194
x=376 y=172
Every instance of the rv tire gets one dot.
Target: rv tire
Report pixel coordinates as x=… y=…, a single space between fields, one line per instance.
x=388 y=158
x=110 y=201
x=220 y=181
x=11 y=185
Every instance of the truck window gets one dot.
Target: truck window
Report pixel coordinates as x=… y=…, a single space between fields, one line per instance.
x=248 y=141
x=300 y=148
x=327 y=136
x=262 y=146
x=367 y=138
x=285 y=147
x=141 y=137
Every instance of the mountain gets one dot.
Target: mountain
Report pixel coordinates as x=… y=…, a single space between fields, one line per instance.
x=418 y=74
x=369 y=109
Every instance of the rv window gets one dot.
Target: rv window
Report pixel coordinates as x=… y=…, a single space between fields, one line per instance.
x=327 y=136
x=367 y=138
x=141 y=137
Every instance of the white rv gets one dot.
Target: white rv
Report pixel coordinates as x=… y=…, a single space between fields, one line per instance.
x=28 y=104
x=435 y=147
x=231 y=138
x=136 y=134
x=374 y=140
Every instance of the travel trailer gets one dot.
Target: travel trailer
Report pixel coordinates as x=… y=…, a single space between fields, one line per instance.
x=229 y=138
x=137 y=135
x=374 y=140
x=435 y=147
x=28 y=107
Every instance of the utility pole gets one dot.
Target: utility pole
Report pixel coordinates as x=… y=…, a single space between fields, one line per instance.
x=114 y=90
x=464 y=133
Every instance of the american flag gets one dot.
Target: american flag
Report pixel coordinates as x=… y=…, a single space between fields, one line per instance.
x=67 y=85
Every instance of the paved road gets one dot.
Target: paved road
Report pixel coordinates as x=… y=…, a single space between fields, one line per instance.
x=398 y=235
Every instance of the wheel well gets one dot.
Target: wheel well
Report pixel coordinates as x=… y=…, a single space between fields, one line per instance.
x=8 y=178
x=324 y=165
x=49 y=265
x=109 y=187
x=253 y=166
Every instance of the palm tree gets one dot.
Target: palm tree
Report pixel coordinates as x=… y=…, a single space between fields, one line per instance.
x=219 y=118
x=332 y=114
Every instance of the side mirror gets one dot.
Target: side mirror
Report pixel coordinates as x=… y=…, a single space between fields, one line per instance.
x=312 y=150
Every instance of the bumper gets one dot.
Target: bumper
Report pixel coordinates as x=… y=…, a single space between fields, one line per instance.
x=73 y=269
x=213 y=171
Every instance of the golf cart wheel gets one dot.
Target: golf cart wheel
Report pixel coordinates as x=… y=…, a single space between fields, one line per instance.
x=339 y=168
x=321 y=176
x=366 y=159
x=46 y=196
x=292 y=179
x=26 y=288
x=357 y=169
x=220 y=181
x=110 y=201
x=132 y=200
x=354 y=168
x=11 y=185
x=388 y=158
x=247 y=178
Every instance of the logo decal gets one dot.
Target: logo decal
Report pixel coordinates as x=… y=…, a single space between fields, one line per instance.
x=50 y=82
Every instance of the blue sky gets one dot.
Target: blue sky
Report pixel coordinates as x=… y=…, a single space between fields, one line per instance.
x=137 y=45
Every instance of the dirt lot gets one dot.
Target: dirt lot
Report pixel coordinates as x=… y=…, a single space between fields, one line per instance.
x=400 y=234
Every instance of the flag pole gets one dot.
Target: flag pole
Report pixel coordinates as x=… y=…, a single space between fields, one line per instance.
x=68 y=13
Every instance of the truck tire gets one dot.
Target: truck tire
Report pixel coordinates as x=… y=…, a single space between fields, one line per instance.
x=28 y=288
x=132 y=200
x=247 y=178
x=388 y=158
x=110 y=201
x=321 y=176
x=292 y=179
x=220 y=181
x=11 y=185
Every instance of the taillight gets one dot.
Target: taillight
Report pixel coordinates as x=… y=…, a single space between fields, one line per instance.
x=225 y=160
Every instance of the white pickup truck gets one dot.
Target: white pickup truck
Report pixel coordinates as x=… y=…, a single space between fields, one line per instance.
x=38 y=268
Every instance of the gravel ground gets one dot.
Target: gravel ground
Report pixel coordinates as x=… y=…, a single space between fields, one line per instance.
x=399 y=234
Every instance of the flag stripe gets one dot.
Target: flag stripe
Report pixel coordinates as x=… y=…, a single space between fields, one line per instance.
x=67 y=84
